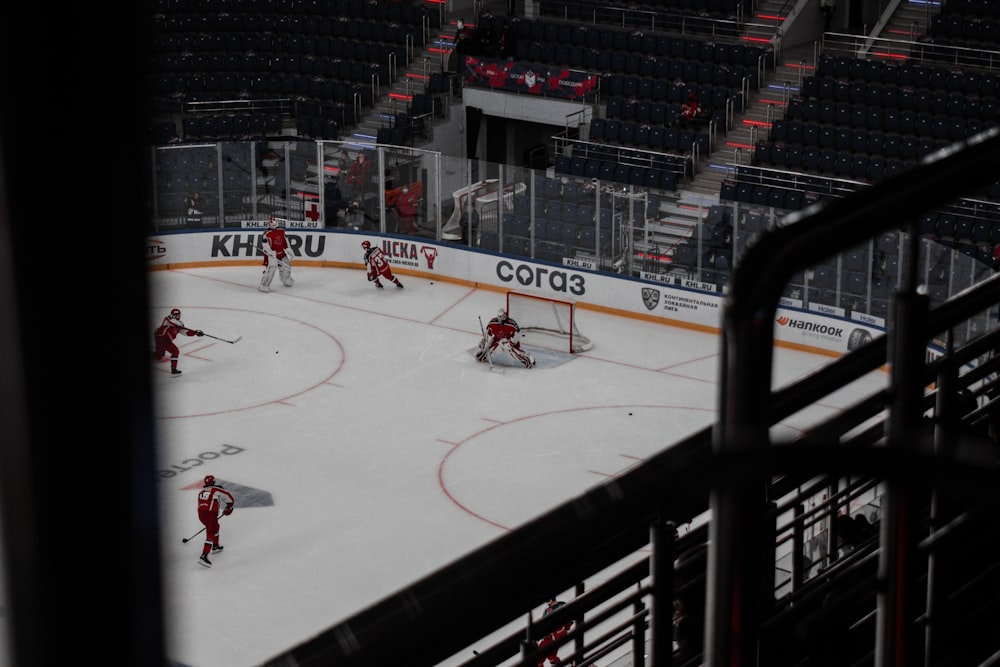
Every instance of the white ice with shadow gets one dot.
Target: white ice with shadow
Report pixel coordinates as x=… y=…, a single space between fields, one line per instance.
x=368 y=447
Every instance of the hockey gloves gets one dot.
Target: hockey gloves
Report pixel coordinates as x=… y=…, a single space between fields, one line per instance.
x=228 y=510
x=199 y=332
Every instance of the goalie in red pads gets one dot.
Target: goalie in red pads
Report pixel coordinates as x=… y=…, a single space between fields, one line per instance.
x=378 y=265
x=277 y=257
x=501 y=332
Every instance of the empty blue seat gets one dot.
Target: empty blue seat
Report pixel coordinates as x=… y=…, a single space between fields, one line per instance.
x=876 y=143
x=612 y=130
x=779 y=154
x=760 y=195
x=622 y=173
x=562 y=164
x=627 y=133
x=779 y=131
x=793 y=157
x=642 y=132
x=859 y=167
x=793 y=132
x=520 y=225
x=762 y=153
x=597 y=129
x=842 y=165
x=810 y=134
x=550 y=230
x=827 y=161
x=810 y=158
x=615 y=107
x=671 y=139
x=859 y=141
x=776 y=198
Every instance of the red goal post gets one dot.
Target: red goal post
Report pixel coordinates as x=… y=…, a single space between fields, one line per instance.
x=548 y=322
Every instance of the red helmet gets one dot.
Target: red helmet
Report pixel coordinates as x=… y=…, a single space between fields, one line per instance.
x=209 y=480
x=175 y=314
x=366 y=245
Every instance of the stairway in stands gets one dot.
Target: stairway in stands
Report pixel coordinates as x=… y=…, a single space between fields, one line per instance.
x=411 y=81
x=769 y=102
x=910 y=21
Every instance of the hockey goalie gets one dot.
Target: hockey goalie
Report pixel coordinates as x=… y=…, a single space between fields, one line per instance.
x=277 y=256
x=502 y=332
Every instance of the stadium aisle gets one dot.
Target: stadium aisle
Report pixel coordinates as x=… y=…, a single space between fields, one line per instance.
x=366 y=447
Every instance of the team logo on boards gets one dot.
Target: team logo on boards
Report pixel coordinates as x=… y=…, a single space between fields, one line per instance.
x=650 y=297
x=156 y=249
x=527 y=275
x=430 y=253
x=248 y=245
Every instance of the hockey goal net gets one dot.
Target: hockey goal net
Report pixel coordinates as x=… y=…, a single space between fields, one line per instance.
x=547 y=322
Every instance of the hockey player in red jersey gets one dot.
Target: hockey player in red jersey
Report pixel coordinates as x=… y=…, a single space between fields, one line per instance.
x=558 y=633
x=277 y=256
x=378 y=265
x=211 y=499
x=164 y=336
x=502 y=332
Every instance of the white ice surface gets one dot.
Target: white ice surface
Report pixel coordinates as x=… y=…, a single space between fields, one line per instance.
x=386 y=450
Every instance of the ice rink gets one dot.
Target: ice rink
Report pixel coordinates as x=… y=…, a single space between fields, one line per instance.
x=366 y=447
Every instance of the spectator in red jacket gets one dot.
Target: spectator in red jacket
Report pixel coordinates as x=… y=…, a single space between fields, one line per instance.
x=358 y=177
x=690 y=110
x=406 y=211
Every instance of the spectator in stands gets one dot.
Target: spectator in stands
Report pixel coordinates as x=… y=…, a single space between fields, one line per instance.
x=463 y=30
x=828 y=7
x=193 y=204
x=690 y=110
x=332 y=203
x=355 y=217
x=686 y=639
x=358 y=177
x=506 y=42
x=406 y=211
x=485 y=37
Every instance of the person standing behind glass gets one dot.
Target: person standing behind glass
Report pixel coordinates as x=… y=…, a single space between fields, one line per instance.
x=828 y=7
x=358 y=177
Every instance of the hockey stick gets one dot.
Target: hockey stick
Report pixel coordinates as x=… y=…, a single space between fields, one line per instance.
x=185 y=540
x=231 y=342
x=489 y=356
x=287 y=262
x=188 y=539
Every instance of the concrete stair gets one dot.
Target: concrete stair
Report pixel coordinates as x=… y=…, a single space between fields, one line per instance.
x=909 y=22
x=766 y=21
x=764 y=105
x=397 y=96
